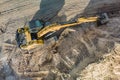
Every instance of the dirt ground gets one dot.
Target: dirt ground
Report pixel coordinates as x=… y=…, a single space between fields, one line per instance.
x=84 y=52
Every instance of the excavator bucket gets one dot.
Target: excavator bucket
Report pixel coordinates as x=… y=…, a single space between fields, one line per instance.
x=103 y=19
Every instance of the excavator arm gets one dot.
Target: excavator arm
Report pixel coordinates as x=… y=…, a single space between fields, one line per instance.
x=56 y=27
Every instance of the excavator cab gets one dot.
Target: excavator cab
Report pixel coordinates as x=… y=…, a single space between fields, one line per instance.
x=36 y=25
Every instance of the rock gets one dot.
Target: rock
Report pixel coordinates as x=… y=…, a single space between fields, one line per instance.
x=10 y=78
x=7 y=69
x=1 y=78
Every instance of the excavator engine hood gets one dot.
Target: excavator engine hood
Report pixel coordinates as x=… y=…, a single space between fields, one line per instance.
x=27 y=40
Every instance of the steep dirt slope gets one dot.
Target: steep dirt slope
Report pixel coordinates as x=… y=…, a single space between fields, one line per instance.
x=106 y=69
x=109 y=67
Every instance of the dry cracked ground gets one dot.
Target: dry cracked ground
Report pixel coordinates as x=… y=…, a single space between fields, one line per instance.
x=83 y=52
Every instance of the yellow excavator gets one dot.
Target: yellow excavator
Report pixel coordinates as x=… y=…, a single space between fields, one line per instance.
x=29 y=37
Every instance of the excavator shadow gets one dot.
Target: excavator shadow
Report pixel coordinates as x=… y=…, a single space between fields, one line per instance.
x=48 y=12
x=95 y=7
x=49 y=9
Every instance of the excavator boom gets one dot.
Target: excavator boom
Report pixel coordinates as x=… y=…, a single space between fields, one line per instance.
x=56 y=27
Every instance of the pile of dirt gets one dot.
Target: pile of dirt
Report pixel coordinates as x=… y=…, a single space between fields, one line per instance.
x=106 y=69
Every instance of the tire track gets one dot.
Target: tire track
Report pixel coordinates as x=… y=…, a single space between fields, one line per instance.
x=1 y=3
x=12 y=10
x=16 y=6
